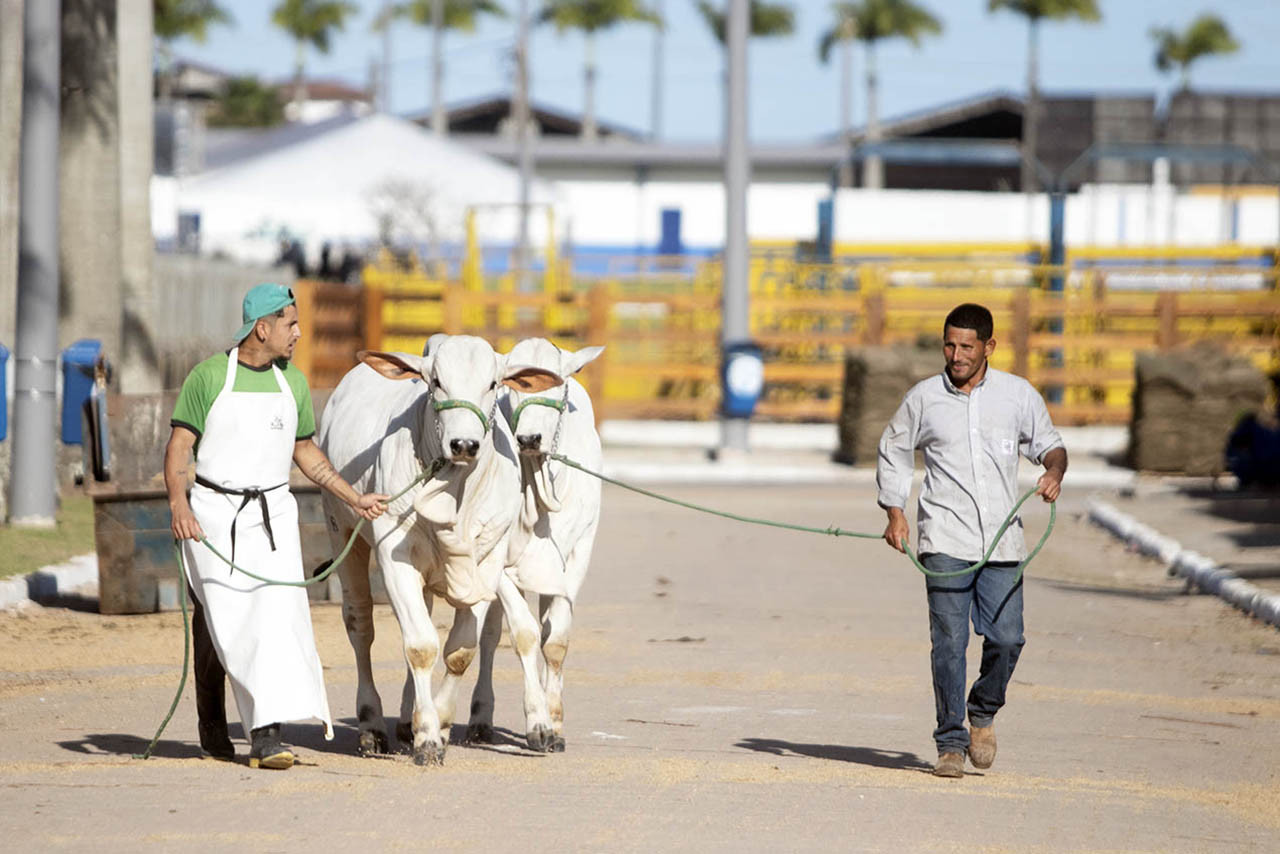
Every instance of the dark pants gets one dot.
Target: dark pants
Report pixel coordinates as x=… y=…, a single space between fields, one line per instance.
x=210 y=678
x=994 y=602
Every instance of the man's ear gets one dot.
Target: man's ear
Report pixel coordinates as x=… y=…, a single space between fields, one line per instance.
x=396 y=366
x=529 y=380
x=575 y=362
x=989 y=347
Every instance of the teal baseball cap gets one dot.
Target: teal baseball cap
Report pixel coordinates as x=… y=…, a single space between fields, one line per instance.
x=261 y=301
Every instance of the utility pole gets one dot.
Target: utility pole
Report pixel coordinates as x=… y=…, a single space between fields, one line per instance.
x=525 y=146
x=33 y=499
x=734 y=327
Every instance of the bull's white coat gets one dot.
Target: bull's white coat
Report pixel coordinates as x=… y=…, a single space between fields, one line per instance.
x=549 y=549
x=449 y=534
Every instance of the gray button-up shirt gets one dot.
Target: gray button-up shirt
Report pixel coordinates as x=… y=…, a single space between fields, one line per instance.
x=971 y=444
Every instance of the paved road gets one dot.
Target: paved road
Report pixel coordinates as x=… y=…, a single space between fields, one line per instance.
x=730 y=688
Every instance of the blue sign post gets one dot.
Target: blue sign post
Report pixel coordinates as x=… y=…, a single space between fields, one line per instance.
x=4 y=394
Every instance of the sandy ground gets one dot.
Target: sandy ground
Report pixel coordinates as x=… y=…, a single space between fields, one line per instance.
x=729 y=688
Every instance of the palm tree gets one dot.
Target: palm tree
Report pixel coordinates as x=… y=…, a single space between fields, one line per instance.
x=870 y=21
x=440 y=16
x=592 y=16
x=176 y=19
x=767 y=19
x=1206 y=36
x=1035 y=11
x=309 y=22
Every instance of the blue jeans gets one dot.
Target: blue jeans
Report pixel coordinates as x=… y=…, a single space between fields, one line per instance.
x=994 y=602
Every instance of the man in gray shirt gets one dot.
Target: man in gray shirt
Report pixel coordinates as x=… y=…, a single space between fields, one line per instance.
x=971 y=422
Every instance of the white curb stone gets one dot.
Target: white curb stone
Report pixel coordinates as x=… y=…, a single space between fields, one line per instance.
x=1199 y=570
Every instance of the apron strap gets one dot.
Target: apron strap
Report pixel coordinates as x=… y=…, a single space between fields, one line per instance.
x=249 y=495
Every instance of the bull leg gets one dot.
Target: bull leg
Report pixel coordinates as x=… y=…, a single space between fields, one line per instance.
x=557 y=619
x=421 y=648
x=480 y=725
x=357 y=616
x=459 y=649
x=524 y=637
x=404 y=727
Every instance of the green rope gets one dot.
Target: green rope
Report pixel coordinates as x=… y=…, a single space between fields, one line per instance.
x=557 y=405
x=441 y=405
x=428 y=472
x=839 y=532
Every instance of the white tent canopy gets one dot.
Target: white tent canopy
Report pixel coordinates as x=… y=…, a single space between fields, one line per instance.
x=332 y=186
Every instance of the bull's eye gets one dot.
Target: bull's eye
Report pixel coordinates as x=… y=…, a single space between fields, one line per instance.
x=493 y=385
x=435 y=383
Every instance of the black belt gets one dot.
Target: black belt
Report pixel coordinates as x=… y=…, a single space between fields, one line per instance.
x=249 y=495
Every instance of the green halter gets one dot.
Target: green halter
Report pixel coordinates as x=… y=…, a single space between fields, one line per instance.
x=439 y=405
x=557 y=405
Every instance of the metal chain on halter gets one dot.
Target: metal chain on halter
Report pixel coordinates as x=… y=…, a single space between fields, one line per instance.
x=564 y=407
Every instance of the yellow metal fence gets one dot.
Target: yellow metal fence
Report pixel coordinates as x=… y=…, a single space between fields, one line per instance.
x=662 y=331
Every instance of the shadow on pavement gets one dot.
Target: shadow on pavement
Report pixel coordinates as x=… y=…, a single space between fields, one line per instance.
x=123 y=744
x=873 y=756
x=1125 y=592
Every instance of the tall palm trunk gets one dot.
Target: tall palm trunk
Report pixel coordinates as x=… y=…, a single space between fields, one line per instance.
x=299 y=81
x=846 y=108
x=589 y=131
x=1031 y=114
x=655 y=108
x=439 y=123
x=873 y=166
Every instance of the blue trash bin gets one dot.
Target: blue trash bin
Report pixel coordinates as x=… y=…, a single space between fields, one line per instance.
x=77 y=383
x=4 y=393
x=741 y=378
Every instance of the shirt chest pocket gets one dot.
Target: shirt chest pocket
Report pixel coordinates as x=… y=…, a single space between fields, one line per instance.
x=1001 y=446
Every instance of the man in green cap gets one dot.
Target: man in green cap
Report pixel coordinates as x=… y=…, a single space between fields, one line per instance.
x=246 y=414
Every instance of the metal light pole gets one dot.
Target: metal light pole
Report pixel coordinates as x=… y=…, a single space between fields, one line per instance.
x=33 y=499
x=385 y=87
x=524 y=144
x=734 y=327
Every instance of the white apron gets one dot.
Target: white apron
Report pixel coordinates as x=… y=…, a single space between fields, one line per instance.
x=263 y=636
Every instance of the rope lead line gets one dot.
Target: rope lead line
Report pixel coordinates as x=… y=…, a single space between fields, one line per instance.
x=840 y=532
x=436 y=465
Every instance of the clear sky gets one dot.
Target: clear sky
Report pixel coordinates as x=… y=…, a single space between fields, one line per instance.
x=793 y=96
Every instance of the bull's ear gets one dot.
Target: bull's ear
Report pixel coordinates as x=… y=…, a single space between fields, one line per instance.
x=395 y=366
x=530 y=380
x=575 y=362
x=433 y=343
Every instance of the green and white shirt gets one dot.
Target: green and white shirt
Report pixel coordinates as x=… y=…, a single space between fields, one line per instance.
x=203 y=385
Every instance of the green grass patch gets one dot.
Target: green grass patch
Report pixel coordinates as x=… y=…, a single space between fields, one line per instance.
x=24 y=550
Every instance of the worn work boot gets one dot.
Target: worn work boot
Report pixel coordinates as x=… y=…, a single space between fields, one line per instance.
x=982 y=745
x=267 y=751
x=949 y=765
x=215 y=741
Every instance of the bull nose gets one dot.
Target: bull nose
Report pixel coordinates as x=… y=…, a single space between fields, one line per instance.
x=464 y=448
x=529 y=441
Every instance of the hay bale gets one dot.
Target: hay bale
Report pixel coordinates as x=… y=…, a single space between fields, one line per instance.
x=875 y=380
x=1185 y=404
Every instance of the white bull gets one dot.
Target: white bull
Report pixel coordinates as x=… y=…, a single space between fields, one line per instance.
x=386 y=421
x=550 y=547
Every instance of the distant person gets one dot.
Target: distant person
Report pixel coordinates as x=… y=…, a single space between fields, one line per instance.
x=326 y=271
x=349 y=269
x=970 y=421
x=246 y=414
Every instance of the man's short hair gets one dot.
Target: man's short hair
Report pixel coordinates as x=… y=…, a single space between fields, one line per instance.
x=971 y=316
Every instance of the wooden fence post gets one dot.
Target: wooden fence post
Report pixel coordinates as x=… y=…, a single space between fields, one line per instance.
x=304 y=295
x=874 y=317
x=451 y=304
x=1167 y=316
x=372 y=316
x=598 y=309
x=1021 y=332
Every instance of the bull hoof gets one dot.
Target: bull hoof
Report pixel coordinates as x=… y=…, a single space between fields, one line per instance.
x=480 y=734
x=429 y=754
x=372 y=742
x=540 y=738
x=557 y=745
x=404 y=734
